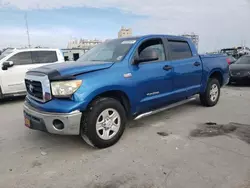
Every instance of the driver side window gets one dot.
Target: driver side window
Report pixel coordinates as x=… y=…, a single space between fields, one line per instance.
x=155 y=45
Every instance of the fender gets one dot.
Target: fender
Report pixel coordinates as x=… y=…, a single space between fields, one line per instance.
x=204 y=82
x=216 y=70
x=90 y=95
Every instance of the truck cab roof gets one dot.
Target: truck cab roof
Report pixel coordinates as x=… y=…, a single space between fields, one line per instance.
x=34 y=49
x=174 y=37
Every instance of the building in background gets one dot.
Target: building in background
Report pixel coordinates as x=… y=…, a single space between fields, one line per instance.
x=125 y=32
x=76 y=48
x=73 y=54
x=194 y=38
x=83 y=43
x=72 y=44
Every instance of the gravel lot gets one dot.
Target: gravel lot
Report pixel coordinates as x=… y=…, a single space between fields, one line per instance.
x=173 y=149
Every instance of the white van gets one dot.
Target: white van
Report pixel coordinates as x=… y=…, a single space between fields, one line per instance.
x=14 y=63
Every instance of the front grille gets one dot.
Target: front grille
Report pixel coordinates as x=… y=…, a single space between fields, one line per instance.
x=34 y=88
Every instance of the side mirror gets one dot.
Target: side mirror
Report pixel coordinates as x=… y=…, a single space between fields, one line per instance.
x=7 y=64
x=146 y=55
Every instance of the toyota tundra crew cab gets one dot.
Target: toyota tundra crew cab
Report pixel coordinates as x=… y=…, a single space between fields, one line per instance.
x=118 y=80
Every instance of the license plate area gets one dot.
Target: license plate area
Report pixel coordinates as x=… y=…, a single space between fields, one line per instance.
x=26 y=121
x=33 y=122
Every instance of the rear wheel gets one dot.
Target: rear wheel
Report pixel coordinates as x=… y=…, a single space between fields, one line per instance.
x=212 y=93
x=103 y=123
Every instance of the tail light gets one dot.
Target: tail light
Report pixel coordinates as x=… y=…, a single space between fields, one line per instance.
x=228 y=61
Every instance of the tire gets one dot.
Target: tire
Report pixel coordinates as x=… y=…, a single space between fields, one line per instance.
x=211 y=100
x=1 y=94
x=103 y=123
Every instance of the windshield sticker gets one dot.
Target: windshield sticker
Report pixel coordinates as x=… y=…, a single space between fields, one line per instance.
x=128 y=42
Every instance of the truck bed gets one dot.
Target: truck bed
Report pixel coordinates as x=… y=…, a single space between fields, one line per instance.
x=212 y=63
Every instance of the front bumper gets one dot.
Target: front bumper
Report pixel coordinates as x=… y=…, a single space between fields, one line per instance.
x=44 y=121
x=240 y=79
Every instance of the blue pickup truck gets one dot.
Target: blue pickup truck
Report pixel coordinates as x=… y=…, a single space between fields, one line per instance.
x=118 y=80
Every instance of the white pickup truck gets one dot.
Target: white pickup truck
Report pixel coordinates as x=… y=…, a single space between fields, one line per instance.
x=14 y=63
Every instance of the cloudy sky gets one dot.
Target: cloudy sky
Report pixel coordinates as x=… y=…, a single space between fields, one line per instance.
x=219 y=23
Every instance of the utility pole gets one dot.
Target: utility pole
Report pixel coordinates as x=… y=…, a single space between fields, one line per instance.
x=27 y=28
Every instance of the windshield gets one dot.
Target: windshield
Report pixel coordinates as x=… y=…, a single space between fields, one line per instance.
x=243 y=60
x=5 y=53
x=112 y=51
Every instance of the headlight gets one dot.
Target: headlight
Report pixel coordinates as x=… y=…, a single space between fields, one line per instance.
x=65 y=88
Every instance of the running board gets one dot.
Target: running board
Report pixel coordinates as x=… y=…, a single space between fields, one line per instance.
x=165 y=108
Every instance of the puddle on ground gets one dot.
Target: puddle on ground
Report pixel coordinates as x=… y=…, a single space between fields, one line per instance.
x=211 y=129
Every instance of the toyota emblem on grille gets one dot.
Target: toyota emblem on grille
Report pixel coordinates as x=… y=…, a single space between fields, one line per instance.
x=31 y=88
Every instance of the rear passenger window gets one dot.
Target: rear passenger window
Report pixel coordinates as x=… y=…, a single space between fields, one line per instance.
x=44 y=57
x=179 y=50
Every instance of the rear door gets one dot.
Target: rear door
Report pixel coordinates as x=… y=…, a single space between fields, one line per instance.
x=187 y=69
x=13 y=77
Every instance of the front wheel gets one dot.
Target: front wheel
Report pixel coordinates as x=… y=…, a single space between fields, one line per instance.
x=104 y=122
x=212 y=93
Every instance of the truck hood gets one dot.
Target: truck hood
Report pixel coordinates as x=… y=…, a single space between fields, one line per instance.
x=67 y=70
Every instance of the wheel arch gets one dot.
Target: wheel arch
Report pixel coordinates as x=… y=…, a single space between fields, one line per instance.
x=217 y=74
x=119 y=95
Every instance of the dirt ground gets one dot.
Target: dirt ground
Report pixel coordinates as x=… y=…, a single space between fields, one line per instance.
x=189 y=146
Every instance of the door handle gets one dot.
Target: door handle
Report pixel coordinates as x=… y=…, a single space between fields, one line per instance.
x=197 y=64
x=167 y=67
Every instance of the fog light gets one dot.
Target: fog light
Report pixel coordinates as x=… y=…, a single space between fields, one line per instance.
x=58 y=124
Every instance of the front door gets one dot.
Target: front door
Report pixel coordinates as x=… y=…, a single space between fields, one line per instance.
x=153 y=79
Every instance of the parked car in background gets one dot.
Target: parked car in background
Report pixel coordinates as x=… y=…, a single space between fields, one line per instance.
x=243 y=50
x=118 y=80
x=14 y=63
x=240 y=70
x=236 y=52
x=230 y=52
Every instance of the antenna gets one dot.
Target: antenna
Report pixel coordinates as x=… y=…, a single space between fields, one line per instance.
x=27 y=28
